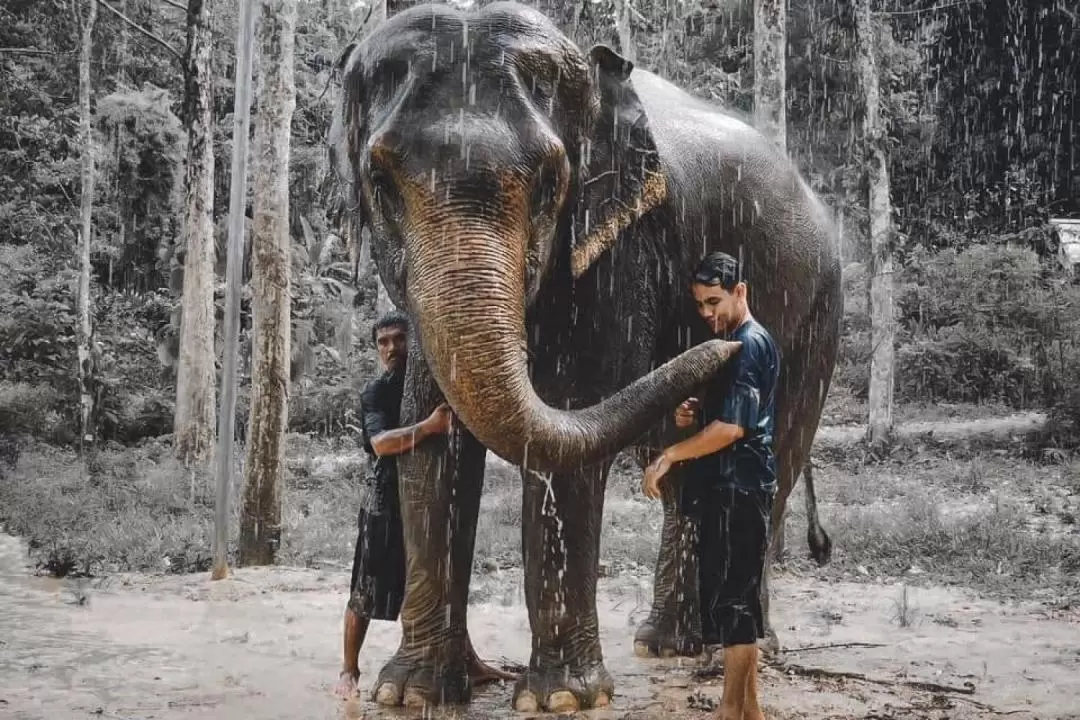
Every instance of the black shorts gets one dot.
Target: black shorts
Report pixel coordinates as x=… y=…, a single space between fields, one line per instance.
x=733 y=540
x=378 y=573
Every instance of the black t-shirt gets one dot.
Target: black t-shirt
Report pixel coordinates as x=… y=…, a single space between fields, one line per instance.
x=744 y=394
x=380 y=406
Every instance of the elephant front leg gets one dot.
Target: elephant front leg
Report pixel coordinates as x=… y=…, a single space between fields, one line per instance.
x=440 y=484
x=561 y=549
x=673 y=626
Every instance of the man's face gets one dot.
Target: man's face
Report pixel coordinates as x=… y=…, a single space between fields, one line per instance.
x=393 y=346
x=719 y=308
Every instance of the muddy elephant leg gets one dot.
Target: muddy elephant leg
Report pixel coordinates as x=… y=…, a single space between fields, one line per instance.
x=674 y=623
x=561 y=551
x=440 y=483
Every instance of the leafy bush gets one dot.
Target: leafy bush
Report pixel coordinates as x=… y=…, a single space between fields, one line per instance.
x=986 y=324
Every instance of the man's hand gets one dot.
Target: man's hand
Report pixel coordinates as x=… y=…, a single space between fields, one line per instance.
x=686 y=413
x=654 y=474
x=438 y=422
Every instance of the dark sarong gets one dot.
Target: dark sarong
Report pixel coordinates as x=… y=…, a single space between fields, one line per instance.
x=733 y=541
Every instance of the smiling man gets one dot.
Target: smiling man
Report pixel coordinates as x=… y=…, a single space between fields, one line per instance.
x=732 y=479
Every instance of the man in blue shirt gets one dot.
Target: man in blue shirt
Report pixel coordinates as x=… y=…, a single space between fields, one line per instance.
x=732 y=479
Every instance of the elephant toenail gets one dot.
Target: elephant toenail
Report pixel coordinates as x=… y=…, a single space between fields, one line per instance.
x=415 y=699
x=602 y=700
x=562 y=701
x=642 y=650
x=387 y=694
x=526 y=702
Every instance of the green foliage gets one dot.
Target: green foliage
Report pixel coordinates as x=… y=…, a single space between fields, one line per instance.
x=988 y=324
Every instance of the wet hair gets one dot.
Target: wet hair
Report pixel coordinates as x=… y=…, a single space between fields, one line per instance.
x=393 y=318
x=719 y=268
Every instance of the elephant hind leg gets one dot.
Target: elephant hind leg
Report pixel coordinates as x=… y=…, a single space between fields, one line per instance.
x=561 y=552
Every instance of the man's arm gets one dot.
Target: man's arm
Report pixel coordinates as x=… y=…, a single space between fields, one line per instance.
x=380 y=435
x=739 y=412
x=714 y=437
x=402 y=440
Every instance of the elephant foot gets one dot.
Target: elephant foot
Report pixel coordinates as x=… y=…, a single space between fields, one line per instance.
x=651 y=641
x=563 y=689
x=418 y=681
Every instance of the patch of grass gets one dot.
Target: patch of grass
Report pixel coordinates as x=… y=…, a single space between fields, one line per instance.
x=121 y=509
x=989 y=521
x=138 y=509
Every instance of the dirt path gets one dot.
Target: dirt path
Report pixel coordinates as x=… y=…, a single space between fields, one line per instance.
x=264 y=644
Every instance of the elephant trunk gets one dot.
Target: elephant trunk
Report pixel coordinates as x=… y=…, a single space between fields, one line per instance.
x=468 y=303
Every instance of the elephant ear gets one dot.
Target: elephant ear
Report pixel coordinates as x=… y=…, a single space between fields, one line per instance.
x=346 y=126
x=623 y=178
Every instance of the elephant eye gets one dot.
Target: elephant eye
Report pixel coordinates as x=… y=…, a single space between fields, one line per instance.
x=543 y=190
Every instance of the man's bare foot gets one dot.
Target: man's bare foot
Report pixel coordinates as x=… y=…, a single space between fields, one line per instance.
x=481 y=673
x=346 y=684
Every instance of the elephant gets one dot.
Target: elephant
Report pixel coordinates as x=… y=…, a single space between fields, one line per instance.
x=538 y=209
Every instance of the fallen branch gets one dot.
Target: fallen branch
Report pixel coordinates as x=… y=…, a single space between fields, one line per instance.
x=824 y=673
x=1019 y=424
x=832 y=646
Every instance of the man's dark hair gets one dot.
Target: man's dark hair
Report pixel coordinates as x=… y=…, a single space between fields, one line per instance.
x=393 y=318
x=718 y=268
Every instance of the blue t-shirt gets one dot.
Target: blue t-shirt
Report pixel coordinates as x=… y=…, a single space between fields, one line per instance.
x=743 y=393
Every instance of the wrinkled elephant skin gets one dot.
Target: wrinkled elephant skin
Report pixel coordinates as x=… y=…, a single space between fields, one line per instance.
x=538 y=209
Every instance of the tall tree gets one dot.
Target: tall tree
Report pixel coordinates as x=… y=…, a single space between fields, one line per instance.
x=86 y=210
x=625 y=31
x=233 y=280
x=882 y=317
x=770 y=110
x=195 y=380
x=770 y=67
x=260 y=519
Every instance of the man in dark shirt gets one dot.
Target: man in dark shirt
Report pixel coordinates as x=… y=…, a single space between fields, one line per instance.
x=732 y=479
x=377 y=588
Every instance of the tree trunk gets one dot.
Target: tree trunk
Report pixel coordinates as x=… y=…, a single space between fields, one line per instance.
x=234 y=269
x=770 y=67
x=260 y=520
x=195 y=380
x=882 y=320
x=627 y=47
x=86 y=208
x=770 y=113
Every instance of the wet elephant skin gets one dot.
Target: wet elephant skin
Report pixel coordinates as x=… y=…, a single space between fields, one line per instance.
x=538 y=208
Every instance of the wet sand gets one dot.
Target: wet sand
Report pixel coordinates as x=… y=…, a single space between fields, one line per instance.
x=265 y=644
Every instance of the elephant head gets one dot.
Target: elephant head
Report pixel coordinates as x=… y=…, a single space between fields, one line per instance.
x=473 y=146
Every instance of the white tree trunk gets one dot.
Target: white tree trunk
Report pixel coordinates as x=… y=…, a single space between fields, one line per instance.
x=264 y=469
x=86 y=209
x=196 y=373
x=770 y=111
x=770 y=68
x=233 y=281
x=882 y=319
x=627 y=47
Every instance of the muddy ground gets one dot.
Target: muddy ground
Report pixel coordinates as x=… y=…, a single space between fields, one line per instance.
x=265 y=644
